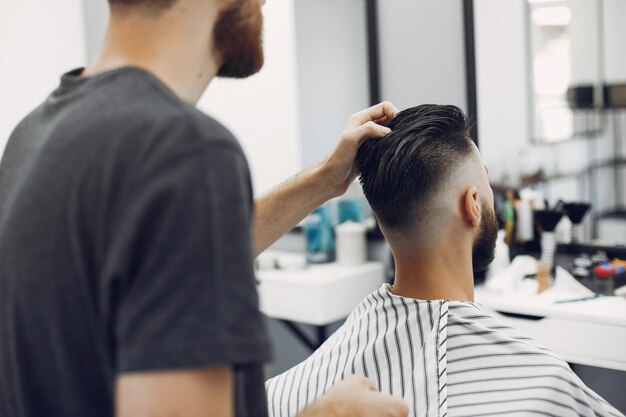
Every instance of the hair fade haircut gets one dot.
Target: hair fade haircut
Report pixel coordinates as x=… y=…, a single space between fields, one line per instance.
x=401 y=172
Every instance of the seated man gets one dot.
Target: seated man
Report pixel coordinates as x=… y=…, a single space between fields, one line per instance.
x=423 y=337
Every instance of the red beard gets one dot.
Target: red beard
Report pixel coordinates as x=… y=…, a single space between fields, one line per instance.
x=238 y=39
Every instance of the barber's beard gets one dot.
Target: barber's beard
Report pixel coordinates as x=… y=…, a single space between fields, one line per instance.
x=485 y=245
x=238 y=39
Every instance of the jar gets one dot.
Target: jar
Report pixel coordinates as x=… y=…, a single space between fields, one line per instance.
x=351 y=243
x=604 y=279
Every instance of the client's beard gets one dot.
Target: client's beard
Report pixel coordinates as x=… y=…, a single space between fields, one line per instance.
x=238 y=39
x=484 y=248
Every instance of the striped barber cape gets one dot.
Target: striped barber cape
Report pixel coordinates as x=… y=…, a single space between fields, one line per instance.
x=445 y=358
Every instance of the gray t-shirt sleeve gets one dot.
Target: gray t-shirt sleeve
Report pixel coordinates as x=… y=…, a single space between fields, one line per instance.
x=187 y=297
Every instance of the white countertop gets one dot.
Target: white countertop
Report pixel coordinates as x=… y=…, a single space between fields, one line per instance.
x=590 y=332
x=318 y=295
x=609 y=310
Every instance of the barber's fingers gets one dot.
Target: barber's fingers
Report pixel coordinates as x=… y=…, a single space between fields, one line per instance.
x=388 y=405
x=379 y=404
x=382 y=120
x=392 y=405
x=369 y=402
x=367 y=130
x=356 y=396
x=360 y=381
x=382 y=111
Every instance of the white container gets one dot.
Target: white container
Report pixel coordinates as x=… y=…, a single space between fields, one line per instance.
x=564 y=231
x=501 y=260
x=351 y=245
x=525 y=221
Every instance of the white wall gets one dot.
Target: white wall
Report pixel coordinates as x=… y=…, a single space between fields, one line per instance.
x=332 y=70
x=615 y=66
x=39 y=41
x=96 y=19
x=262 y=111
x=422 y=52
x=614 y=36
x=584 y=33
x=502 y=85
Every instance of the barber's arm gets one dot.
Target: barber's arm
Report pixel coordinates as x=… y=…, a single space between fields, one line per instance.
x=189 y=393
x=286 y=205
x=209 y=393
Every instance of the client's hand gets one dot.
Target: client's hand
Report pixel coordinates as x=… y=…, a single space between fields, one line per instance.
x=356 y=397
x=337 y=168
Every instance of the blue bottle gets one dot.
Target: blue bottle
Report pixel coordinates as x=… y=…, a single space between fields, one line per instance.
x=320 y=241
x=350 y=210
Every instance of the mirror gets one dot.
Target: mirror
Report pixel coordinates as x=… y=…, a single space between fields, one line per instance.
x=566 y=74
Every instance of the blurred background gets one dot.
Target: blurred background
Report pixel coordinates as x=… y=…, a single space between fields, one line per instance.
x=543 y=80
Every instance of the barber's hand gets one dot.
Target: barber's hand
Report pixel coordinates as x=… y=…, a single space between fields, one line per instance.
x=337 y=169
x=356 y=396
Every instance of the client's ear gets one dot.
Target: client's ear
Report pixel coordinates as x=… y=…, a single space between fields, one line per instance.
x=471 y=206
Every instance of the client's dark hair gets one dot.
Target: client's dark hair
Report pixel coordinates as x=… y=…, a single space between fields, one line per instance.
x=401 y=171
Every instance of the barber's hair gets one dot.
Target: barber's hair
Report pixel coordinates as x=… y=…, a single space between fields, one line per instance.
x=152 y=5
x=401 y=172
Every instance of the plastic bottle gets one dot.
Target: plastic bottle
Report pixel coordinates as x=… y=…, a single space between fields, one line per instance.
x=320 y=242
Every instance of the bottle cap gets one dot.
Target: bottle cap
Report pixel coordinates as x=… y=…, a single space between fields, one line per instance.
x=604 y=270
x=350 y=227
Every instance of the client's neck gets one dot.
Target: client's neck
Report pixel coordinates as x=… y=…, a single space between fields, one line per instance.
x=437 y=272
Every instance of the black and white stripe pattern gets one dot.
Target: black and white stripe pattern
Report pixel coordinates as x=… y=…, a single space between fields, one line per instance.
x=495 y=370
x=444 y=358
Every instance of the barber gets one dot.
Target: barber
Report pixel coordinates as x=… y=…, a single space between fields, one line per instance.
x=126 y=252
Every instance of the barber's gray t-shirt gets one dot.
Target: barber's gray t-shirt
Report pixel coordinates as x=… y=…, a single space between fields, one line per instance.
x=125 y=245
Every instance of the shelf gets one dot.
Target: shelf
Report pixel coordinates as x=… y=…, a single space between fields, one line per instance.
x=607 y=164
x=579 y=136
x=603 y=164
x=549 y=178
x=574 y=249
x=599 y=109
x=613 y=214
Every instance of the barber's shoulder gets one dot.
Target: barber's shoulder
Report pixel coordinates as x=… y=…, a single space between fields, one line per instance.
x=186 y=139
x=212 y=131
x=190 y=127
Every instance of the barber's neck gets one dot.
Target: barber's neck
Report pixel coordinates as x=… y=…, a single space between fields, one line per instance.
x=176 y=46
x=441 y=270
